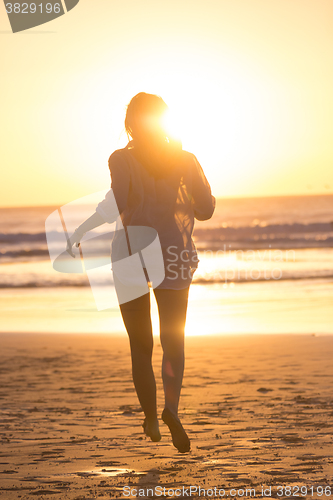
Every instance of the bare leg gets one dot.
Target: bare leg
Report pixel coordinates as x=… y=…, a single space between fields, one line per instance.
x=136 y=316
x=172 y=305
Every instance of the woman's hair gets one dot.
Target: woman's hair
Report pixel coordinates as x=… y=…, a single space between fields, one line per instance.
x=144 y=123
x=142 y=111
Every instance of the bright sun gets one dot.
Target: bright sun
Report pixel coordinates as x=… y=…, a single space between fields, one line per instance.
x=231 y=126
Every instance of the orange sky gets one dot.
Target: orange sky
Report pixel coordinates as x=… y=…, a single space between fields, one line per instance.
x=249 y=81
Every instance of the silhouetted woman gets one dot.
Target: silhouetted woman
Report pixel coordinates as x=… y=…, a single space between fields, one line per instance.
x=158 y=185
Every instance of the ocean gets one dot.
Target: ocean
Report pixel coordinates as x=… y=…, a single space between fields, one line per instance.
x=251 y=250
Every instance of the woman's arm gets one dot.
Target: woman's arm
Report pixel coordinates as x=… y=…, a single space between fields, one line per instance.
x=93 y=221
x=109 y=209
x=203 y=202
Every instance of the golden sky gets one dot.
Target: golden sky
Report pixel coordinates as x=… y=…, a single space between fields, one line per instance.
x=249 y=83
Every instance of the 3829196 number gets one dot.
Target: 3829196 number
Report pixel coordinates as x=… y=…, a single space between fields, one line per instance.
x=302 y=491
x=32 y=8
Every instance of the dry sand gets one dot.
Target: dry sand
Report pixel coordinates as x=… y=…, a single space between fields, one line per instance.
x=258 y=411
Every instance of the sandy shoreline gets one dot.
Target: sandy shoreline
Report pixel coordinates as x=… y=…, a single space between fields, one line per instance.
x=258 y=411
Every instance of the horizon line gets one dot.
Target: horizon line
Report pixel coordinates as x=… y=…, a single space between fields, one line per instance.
x=298 y=195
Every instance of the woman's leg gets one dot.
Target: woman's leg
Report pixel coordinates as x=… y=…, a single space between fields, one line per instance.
x=136 y=316
x=172 y=306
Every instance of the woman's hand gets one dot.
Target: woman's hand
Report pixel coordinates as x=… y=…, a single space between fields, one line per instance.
x=74 y=240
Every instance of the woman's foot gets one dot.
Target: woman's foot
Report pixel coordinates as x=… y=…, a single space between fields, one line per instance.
x=152 y=430
x=180 y=439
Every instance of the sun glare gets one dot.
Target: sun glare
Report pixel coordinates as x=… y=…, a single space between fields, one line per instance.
x=172 y=125
x=232 y=123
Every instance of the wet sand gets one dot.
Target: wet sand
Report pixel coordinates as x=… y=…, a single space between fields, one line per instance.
x=258 y=411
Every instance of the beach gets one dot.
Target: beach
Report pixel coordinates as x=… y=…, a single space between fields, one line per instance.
x=258 y=410
x=257 y=391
